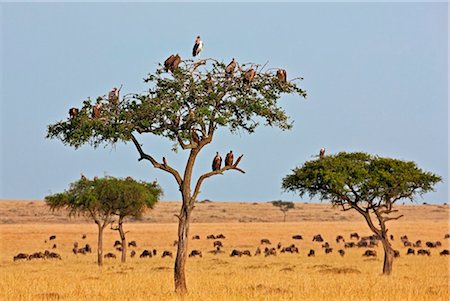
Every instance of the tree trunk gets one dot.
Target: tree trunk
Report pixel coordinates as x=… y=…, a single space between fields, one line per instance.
x=100 y=245
x=180 y=261
x=123 y=240
x=388 y=255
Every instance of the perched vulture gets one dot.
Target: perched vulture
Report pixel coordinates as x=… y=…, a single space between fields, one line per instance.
x=249 y=75
x=209 y=84
x=97 y=110
x=217 y=162
x=175 y=63
x=230 y=68
x=168 y=63
x=113 y=95
x=198 y=46
x=322 y=152
x=281 y=74
x=73 y=112
x=229 y=159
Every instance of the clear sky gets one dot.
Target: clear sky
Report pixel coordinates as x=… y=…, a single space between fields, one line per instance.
x=376 y=77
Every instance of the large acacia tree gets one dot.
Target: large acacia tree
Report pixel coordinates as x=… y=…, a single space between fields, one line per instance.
x=186 y=105
x=371 y=185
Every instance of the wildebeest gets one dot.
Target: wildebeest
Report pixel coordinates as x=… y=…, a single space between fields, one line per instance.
x=132 y=253
x=154 y=252
x=220 y=236
x=430 y=244
x=317 y=238
x=270 y=251
x=423 y=252
x=84 y=236
x=175 y=242
x=297 y=237
x=279 y=245
x=291 y=249
x=54 y=246
x=341 y=252
x=404 y=238
x=446 y=236
x=407 y=244
x=349 y=244
x=211 y=236
x=354 y=235
x=218 y=243
x=117 y=243
x=362 y=244
x=119 y=249
x=196 y=237
x=391 y=237
x=328 y=250
x=325 y=245
x=236 y=253
x=246 y=253
x=110 y=255
x=396 y=253
x=20 y=256
x=370 y=253
x=167 y=254
x=53 y=255
x=36 y=255
x=445 y=252
x=145 y=253
x=339 y=238
x=438 y=243
x=311 y=253
x=195 y=253
x=417 y=244
x=265 y=241
x=410 y=251
x=52 y=237
x=258 y=251
x=132 y=244
x=88 y=248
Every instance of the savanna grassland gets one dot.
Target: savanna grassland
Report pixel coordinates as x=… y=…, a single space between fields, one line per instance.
x=25 y=225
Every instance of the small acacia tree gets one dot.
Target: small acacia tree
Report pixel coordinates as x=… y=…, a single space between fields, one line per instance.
x=185 y=105
x=369 y=184
x=101 y=200
x=284 y=207
x=129 y=198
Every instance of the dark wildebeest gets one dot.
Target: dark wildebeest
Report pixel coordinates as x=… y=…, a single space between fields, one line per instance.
x=20 y=256
x=311 y=253
x=417 y=244
x=54 y=246
x=396 y=253
x=119 y=249
x=410 y=251
x=218 y=243
x=328 y=250
x=423 y=252
x=349 y=244
x=447 y=236
x=325 y=245
x=36 y=255
x=53 y=255
x=339 y=238
x=236 y=253
x=362 y=244
x=110 y=255
x=220 y=236
x=317 y=238
x=167 y=254
x=132 y=244
x=133 y=253
x=246 y=253
x=370 y=253
x=271 y=251
x=391 y=237
x=341 y=252
x=195 y=253
x=175 y=242
x=445 y=253
x=279 y=246
x=146 y=253
x=438 y=243
x=196 y=237
x=154 y=252
x=297 y=237
x=82 y=251
x=211 y=236
x=407 y=244
x=258 y=251
x=117 y=243
x=404 y=238
x=84 y=236
x=430 y=244
x=52 y=237
x=265 y=241
x=354 y=235
x=291 y=249
x=88 y=248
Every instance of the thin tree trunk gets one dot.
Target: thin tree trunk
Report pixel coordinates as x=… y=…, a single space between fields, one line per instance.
x=388 y=255
x=123 y=239
x=100 y=245
x=180 y=261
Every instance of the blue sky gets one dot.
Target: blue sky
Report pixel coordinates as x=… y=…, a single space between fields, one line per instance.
x=376 y=77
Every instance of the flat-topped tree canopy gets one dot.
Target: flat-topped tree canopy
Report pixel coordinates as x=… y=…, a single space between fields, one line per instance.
x=186 y=106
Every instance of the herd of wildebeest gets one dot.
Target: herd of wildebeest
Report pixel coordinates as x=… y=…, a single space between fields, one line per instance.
x=265 y=247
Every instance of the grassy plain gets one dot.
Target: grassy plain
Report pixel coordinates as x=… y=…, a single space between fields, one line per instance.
x=24 y=226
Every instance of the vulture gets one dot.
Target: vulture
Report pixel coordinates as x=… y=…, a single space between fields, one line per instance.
x=229 y=159
x=97 y=110
x=217 y=162
x=230 y=68
x=322 y=152
x=249 y=75
x=168 y=63
x=209 y=84
x=281 y=74
x=73 y=112
x=113 y=95
x=198 y=46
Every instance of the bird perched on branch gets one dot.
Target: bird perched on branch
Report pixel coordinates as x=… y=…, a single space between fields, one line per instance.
x=172 y=62
x=322 y=152
x=73 y=112
x=113 y=95
x=229 y=159
x=249 y=75
x=281 y=74
x=198 y=46
x=230 y=68
x=217 y=162
x=97 y=110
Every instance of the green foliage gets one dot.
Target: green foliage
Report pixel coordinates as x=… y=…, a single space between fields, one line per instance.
x=198 y=97
x=284 y=206
x=104 y=197
x=360 y=179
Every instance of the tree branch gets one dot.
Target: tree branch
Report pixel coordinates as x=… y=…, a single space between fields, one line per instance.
x=385 y=219
x=216 y=172
x=155 y=163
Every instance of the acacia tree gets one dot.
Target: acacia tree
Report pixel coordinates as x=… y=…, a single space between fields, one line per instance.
x=186 y=105
x=284 y=207
x=128 y=198
x=371 y=185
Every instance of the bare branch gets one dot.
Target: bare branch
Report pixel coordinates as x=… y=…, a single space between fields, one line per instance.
x=385 y=219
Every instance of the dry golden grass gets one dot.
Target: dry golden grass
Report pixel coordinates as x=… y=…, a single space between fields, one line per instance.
x=220 y=277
